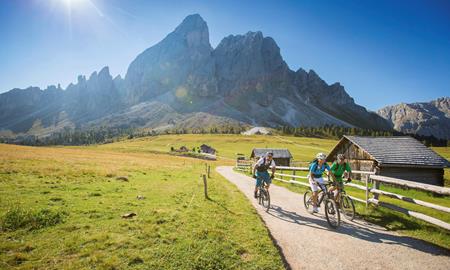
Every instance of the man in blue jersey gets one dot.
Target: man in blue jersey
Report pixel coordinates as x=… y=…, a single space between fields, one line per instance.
x=316 y=170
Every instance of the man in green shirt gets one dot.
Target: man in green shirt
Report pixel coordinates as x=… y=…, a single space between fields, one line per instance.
x=338 y=169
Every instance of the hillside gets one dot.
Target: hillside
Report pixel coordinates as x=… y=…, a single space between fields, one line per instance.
x=183 y=81
x=62 y=208
x=425 y=118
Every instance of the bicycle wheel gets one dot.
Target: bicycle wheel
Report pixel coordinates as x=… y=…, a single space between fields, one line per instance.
x=332 y=213
x=259 y=195
x=347 y=207
x=266 y=199
x=307 y=200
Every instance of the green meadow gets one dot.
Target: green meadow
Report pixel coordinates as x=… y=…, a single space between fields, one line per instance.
x=62 y=207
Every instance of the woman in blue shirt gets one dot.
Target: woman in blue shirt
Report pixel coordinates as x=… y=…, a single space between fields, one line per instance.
x=316 y=169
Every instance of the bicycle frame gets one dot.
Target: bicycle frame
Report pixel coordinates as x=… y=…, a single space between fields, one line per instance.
x=322 y=193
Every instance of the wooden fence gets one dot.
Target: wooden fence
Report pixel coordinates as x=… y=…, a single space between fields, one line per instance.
x=370 y=183
x=244 y=166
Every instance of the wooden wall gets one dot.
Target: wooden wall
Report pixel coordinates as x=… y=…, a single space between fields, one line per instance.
x=423 y=175
x=358 y=159
x=282 y=161
x=362 y=161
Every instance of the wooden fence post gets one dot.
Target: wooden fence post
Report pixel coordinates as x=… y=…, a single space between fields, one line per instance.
x=293 y=173
x=209 y=171
x=205 y=184
x=367 y=191
x=376 y=185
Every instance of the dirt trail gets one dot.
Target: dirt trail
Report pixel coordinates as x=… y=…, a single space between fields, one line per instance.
x=307 y=242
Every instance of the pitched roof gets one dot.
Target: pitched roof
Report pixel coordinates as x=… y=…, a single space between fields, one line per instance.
x=206 y=146
x=277 y=152
x=402 y=150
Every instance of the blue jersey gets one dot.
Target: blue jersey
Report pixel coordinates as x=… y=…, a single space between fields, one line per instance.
x=317 y=171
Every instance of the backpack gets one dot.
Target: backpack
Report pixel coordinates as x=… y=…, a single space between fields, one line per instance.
x=263 y=167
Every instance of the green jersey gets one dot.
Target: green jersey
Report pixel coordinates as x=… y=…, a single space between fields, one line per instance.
x=338 y=170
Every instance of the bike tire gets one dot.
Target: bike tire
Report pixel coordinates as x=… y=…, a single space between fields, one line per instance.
x=347 y=207
x=259 y=195
x=332 y=213
x=266 y=200
x=307 y=201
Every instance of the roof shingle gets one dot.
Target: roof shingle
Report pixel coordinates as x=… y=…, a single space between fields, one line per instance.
x=402 y=150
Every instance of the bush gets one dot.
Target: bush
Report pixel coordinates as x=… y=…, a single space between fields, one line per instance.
x=17 y=218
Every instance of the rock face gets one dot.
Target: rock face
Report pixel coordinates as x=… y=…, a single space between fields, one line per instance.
x=183 y=81
x=181 y=60
x=54 y=108
x=426 y=118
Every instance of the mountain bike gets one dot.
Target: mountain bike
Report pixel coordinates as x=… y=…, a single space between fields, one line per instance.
x=331 y=209
x=263 y=196
x=345 y=204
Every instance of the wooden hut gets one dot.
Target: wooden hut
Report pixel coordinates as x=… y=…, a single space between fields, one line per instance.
x=399 y=157
x=282 y=157
x=207 y=149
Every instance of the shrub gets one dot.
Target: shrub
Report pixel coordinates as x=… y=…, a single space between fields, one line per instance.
x=17 y=218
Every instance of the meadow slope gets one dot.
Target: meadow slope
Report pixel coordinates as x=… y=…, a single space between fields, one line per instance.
x=61 y=208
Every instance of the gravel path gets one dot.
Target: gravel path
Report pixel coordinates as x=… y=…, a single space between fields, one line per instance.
x=307 y=242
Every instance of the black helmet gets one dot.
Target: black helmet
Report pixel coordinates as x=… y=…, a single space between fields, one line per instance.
x=269 y=154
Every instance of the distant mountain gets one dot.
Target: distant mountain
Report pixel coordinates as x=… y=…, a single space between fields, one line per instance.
x=182 y=81
x=425 y=118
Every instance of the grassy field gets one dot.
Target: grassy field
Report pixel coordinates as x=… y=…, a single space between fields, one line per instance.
x=303 y=149
x=61 y=208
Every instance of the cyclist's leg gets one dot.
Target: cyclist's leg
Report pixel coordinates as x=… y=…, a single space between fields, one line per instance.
x=340 y=187
x=315 y=191
x=258 y=183
x=268 y=181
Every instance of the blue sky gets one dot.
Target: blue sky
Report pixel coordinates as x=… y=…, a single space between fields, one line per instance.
x=383 y=52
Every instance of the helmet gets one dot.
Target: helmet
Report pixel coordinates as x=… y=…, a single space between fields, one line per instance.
x=321 y=156
x=269 y=154
x=340 y=157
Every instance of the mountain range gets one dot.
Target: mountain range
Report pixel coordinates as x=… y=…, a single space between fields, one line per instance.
x=183 y=81
x=424 y=118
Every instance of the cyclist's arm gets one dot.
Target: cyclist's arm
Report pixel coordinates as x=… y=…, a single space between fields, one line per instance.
x=349 y=170
x=274 y=168
x=328 y=169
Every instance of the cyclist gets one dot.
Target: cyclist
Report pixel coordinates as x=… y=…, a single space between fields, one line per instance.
x=316 y=169
x=338 y=168
x=260 y=171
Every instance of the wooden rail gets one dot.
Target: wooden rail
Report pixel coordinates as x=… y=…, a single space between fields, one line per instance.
x=291 y=178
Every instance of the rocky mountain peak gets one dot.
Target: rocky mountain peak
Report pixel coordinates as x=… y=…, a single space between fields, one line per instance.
x=423 y=118
x=81 y=79
x=104 y=73
x=194 y=30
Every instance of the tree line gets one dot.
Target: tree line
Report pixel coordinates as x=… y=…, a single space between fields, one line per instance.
x=101 y=135
x=336 y=132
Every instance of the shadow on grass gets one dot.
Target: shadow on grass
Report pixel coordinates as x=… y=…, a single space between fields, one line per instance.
x=358 y=229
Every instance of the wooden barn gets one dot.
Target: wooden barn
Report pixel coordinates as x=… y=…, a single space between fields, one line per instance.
x=399 y=157
x=207 y=149
x=282 y=157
